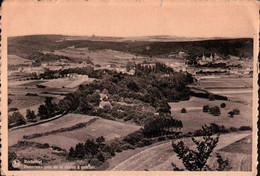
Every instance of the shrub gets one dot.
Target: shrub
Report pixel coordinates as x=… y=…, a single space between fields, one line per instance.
x=42 y=146
x=12 y=109
x=118 y=150
x=127 y=146
x=140 y=144
x=9 y=100
x=198 y=133
x=183 y=110
x=196 y=160
x=11 y=157
x=223 y=105
x=161 y=138
x=40 y=86
x=233 y=129
x=236 y=111
x=245 y=128
x=107 y=107
x=94 y=162
x=231 y=114
x=147 y=142
x=211 y=97
x=134 y=137
x=171 y=136
x=100 y=140
x=31 y=94
x=206 y=108
x=30 y=115
x=100 y=157
x=215 y=111
x=16 y=118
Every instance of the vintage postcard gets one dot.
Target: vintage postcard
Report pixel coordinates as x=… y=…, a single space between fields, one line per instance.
x=109 y=87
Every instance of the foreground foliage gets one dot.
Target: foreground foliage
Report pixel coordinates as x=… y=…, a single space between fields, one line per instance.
x=196 y=160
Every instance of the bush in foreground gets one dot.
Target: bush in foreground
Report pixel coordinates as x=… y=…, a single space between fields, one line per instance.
x=196 y=160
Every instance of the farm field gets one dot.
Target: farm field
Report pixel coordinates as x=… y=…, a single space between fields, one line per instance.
x=101 y=57
x=65 y=121
x=101 y=127
x=15 y=60
x=160 y=156
x=236 y=89
x=226 y=82
x=67 y=82
x=18 y=90
x=195 y=117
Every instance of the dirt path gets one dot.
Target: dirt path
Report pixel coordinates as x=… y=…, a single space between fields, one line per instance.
x=160 y=157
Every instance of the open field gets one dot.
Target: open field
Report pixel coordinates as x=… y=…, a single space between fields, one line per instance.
x=15 y=60
x=101 y=57
x=226 y=82
x=236 y=89
x=160 y=156
x=67 y=82
x=195 y=117
x=18 y=90
x=102 y=127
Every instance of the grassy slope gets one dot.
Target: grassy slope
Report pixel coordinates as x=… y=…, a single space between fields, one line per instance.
x=102 y=127
x=195 y=118
x=107 y=128
x=160 y=156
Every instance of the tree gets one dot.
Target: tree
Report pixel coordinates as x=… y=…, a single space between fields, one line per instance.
x=222 y=164
x=43 y=112
x=183 y=110
x=100 y=140
x=72 y=153
x=16 y=118
x=236 y=111
x=133 y=86
x=11 y=157
x=196 y=160
x=211 y=97
x=231 y=114
x=205 y=108
x=30 y=115
x=9 y=101
x=223 y=105
x=91 y=148
x=100 y=157
x=215 y=111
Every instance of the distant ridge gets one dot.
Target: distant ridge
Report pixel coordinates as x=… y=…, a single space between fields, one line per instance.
x=26 y=46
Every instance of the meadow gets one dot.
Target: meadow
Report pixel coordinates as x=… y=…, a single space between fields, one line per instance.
x=101 y=127
x=194 y=118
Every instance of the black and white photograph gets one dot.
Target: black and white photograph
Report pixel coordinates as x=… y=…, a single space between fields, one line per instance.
x=131 y=86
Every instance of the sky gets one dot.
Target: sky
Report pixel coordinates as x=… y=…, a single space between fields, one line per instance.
x=131 y=18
